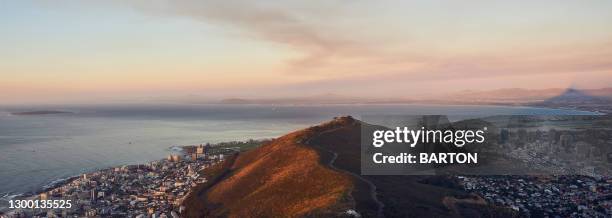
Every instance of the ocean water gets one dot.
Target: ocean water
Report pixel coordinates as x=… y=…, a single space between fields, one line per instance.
x=36 y=150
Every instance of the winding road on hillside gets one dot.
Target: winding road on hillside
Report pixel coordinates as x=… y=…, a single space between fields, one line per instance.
x=330 y=164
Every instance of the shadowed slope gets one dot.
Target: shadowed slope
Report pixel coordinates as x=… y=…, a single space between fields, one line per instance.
x=400 y=196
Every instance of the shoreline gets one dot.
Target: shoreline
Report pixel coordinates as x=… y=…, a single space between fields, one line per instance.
x=55 y=184
x=181 y=150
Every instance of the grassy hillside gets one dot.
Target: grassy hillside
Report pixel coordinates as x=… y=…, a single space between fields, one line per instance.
x=281 y=178
x=316 y=172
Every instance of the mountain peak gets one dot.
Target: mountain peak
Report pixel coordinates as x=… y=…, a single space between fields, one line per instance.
x=573 y=95
x=315 y=172
x=284 y=177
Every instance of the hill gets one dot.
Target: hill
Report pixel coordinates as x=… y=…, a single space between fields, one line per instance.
x=315 y=172
x=574 y=96
x=284 y=177
x=589 y=100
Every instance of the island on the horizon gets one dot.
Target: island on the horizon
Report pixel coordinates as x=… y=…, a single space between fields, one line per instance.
x=41 y=112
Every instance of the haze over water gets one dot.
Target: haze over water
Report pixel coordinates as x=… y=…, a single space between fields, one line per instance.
x=38 y=149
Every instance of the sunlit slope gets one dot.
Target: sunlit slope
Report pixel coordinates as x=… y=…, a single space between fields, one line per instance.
x=282 y=178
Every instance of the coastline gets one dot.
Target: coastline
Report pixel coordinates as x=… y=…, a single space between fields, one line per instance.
x=58 y=183
x=178 y=153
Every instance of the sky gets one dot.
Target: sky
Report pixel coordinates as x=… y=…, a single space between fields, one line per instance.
x=97 y=51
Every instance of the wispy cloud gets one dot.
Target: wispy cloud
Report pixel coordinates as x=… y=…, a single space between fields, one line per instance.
x=315 y=29
x=301 y=27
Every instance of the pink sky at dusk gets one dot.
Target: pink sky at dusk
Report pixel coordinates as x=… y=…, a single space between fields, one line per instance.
x=74 y=51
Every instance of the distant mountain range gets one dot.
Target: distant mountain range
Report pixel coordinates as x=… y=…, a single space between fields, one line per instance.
x=579 y=97
x=499 y=96
x=528 y=95
x=587 y=100
x=316 y=99
x=599 y=100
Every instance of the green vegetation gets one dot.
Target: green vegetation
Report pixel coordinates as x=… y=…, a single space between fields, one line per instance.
x=239 y=146
x=242 y=145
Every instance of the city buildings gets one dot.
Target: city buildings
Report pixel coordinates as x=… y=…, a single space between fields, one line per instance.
x=155 y=189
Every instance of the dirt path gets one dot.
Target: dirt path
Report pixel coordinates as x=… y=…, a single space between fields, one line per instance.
x=330 y=164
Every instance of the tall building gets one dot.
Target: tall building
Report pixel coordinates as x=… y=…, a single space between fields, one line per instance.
x=503 y=136
x=200 y=149
x=521 y=137
x=566 y=143
x=552 y=136
x=93 y=195
x=175 y=157
x=207 y=148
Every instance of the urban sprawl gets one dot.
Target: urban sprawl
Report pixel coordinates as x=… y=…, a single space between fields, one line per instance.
x=156 y=189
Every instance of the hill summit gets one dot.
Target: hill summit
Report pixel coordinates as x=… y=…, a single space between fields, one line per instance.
x=282 y=178
x=315 y=172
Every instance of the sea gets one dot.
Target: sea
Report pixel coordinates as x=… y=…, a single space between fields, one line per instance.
x=37 y=151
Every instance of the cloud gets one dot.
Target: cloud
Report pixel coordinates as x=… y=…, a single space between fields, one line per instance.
x=319 y=31
x=296 y=25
